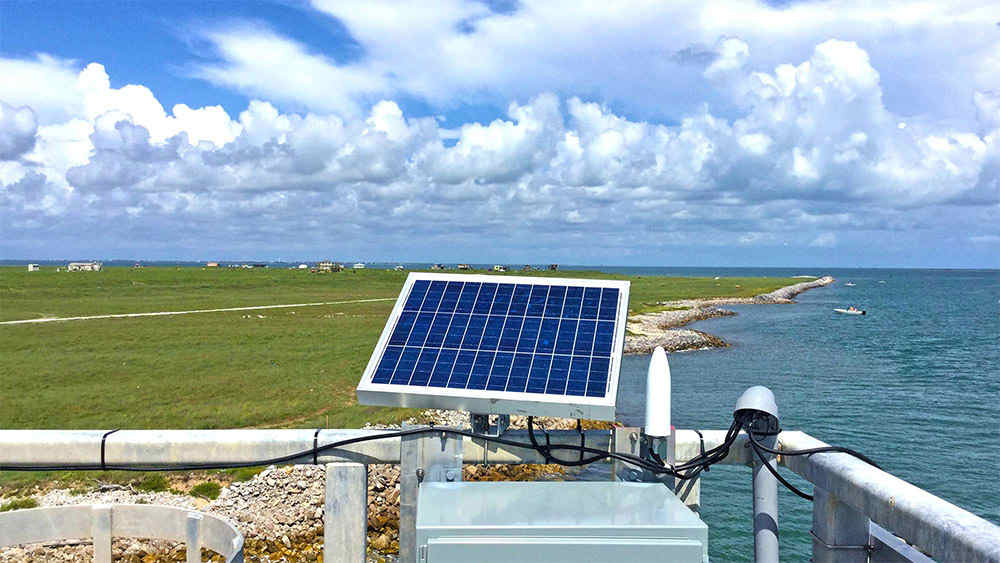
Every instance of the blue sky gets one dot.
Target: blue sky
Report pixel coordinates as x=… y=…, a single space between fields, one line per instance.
x=737 y=133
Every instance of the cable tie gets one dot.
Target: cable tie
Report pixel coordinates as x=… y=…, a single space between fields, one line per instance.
x=701 y=446
x=583 y=439
x=316 y=447
x=104 y=440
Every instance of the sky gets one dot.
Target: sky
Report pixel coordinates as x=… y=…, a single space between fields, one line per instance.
x=840 y=133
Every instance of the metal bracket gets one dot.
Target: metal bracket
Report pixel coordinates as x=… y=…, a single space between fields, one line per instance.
x=866 y=547
x=626 y=440
x=441 y=458
x=481 y=424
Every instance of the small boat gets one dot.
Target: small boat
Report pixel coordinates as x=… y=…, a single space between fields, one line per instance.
x=850 y=284
x=850 y=311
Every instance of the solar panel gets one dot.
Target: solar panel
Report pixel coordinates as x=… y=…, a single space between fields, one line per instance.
x=501 y=345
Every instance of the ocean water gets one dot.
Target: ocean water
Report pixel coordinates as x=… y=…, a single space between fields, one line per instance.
x=914 y=384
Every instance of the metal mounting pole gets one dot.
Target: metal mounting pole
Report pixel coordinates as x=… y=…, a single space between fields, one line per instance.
x=759 y=411
x=765 y=507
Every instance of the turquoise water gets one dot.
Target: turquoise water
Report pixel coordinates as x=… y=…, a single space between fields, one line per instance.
x=915 y=384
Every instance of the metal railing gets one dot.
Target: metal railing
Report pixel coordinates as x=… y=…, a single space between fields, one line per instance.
x=102 y=522
x=855 y=507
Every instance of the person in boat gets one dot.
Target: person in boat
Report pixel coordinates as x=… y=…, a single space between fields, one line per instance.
x=852 y=308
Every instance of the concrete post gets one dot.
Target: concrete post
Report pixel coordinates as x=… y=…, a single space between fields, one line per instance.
x=765 y=507
x=839 y=533
x=193 y=537
x=345 y=513
x=100 y=526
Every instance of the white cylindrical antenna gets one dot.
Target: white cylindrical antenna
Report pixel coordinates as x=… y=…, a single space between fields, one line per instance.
x=658 y=395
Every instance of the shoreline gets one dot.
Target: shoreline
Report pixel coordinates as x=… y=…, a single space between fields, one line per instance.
x=646 y=331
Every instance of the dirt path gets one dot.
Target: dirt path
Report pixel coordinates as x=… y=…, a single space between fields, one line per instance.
x=165 y=313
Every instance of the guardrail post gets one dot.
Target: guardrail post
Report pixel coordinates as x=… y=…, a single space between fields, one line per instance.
x=100 y=526
x=193 y=524
x=345 y=513
x=839 y=533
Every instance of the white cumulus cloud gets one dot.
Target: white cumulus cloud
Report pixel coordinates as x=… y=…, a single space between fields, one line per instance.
x=813 y=153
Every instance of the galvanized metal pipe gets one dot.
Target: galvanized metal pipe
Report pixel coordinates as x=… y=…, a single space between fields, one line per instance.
x=178 y=447
x=182 y=447
x=936 y=526
x=765 y=507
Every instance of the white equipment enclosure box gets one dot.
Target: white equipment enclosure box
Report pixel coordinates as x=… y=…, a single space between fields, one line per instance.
x=556 y=522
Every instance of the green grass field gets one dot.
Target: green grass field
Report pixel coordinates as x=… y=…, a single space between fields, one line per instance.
x=293 y=368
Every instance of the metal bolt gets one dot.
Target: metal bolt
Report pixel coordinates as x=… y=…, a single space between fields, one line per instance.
x=449 y=475
x=633 y=436
x=633 y=475
x=420 y=475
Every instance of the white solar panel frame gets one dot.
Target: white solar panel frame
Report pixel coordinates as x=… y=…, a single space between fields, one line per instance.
x=483 y=401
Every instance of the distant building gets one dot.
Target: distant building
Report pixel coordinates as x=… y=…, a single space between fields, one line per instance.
x=439 y=267
x=327 y=266
x=84 y=267
x=359 y=266
x=303 y=266
x=464 y=267
x=526 y=268
x=399 y=268
x=499 y=268
x=32 y=267
x=553 y=267
x=212 y=265
x=259 y=265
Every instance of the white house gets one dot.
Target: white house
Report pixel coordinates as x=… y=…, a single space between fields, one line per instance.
x=84 y=267
x=32 y=267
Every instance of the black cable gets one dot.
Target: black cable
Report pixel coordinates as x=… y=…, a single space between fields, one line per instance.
x=701 y=445
x=822 y=450
x=685 y=471
x=104 y=440
x=597 y=454
x=789 y=486
x=759 y=449
x=316 y=447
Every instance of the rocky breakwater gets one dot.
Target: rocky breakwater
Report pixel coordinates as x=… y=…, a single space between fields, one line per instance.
x=649 y=330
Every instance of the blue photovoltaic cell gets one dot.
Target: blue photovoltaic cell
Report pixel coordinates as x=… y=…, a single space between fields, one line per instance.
x=524 y=338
